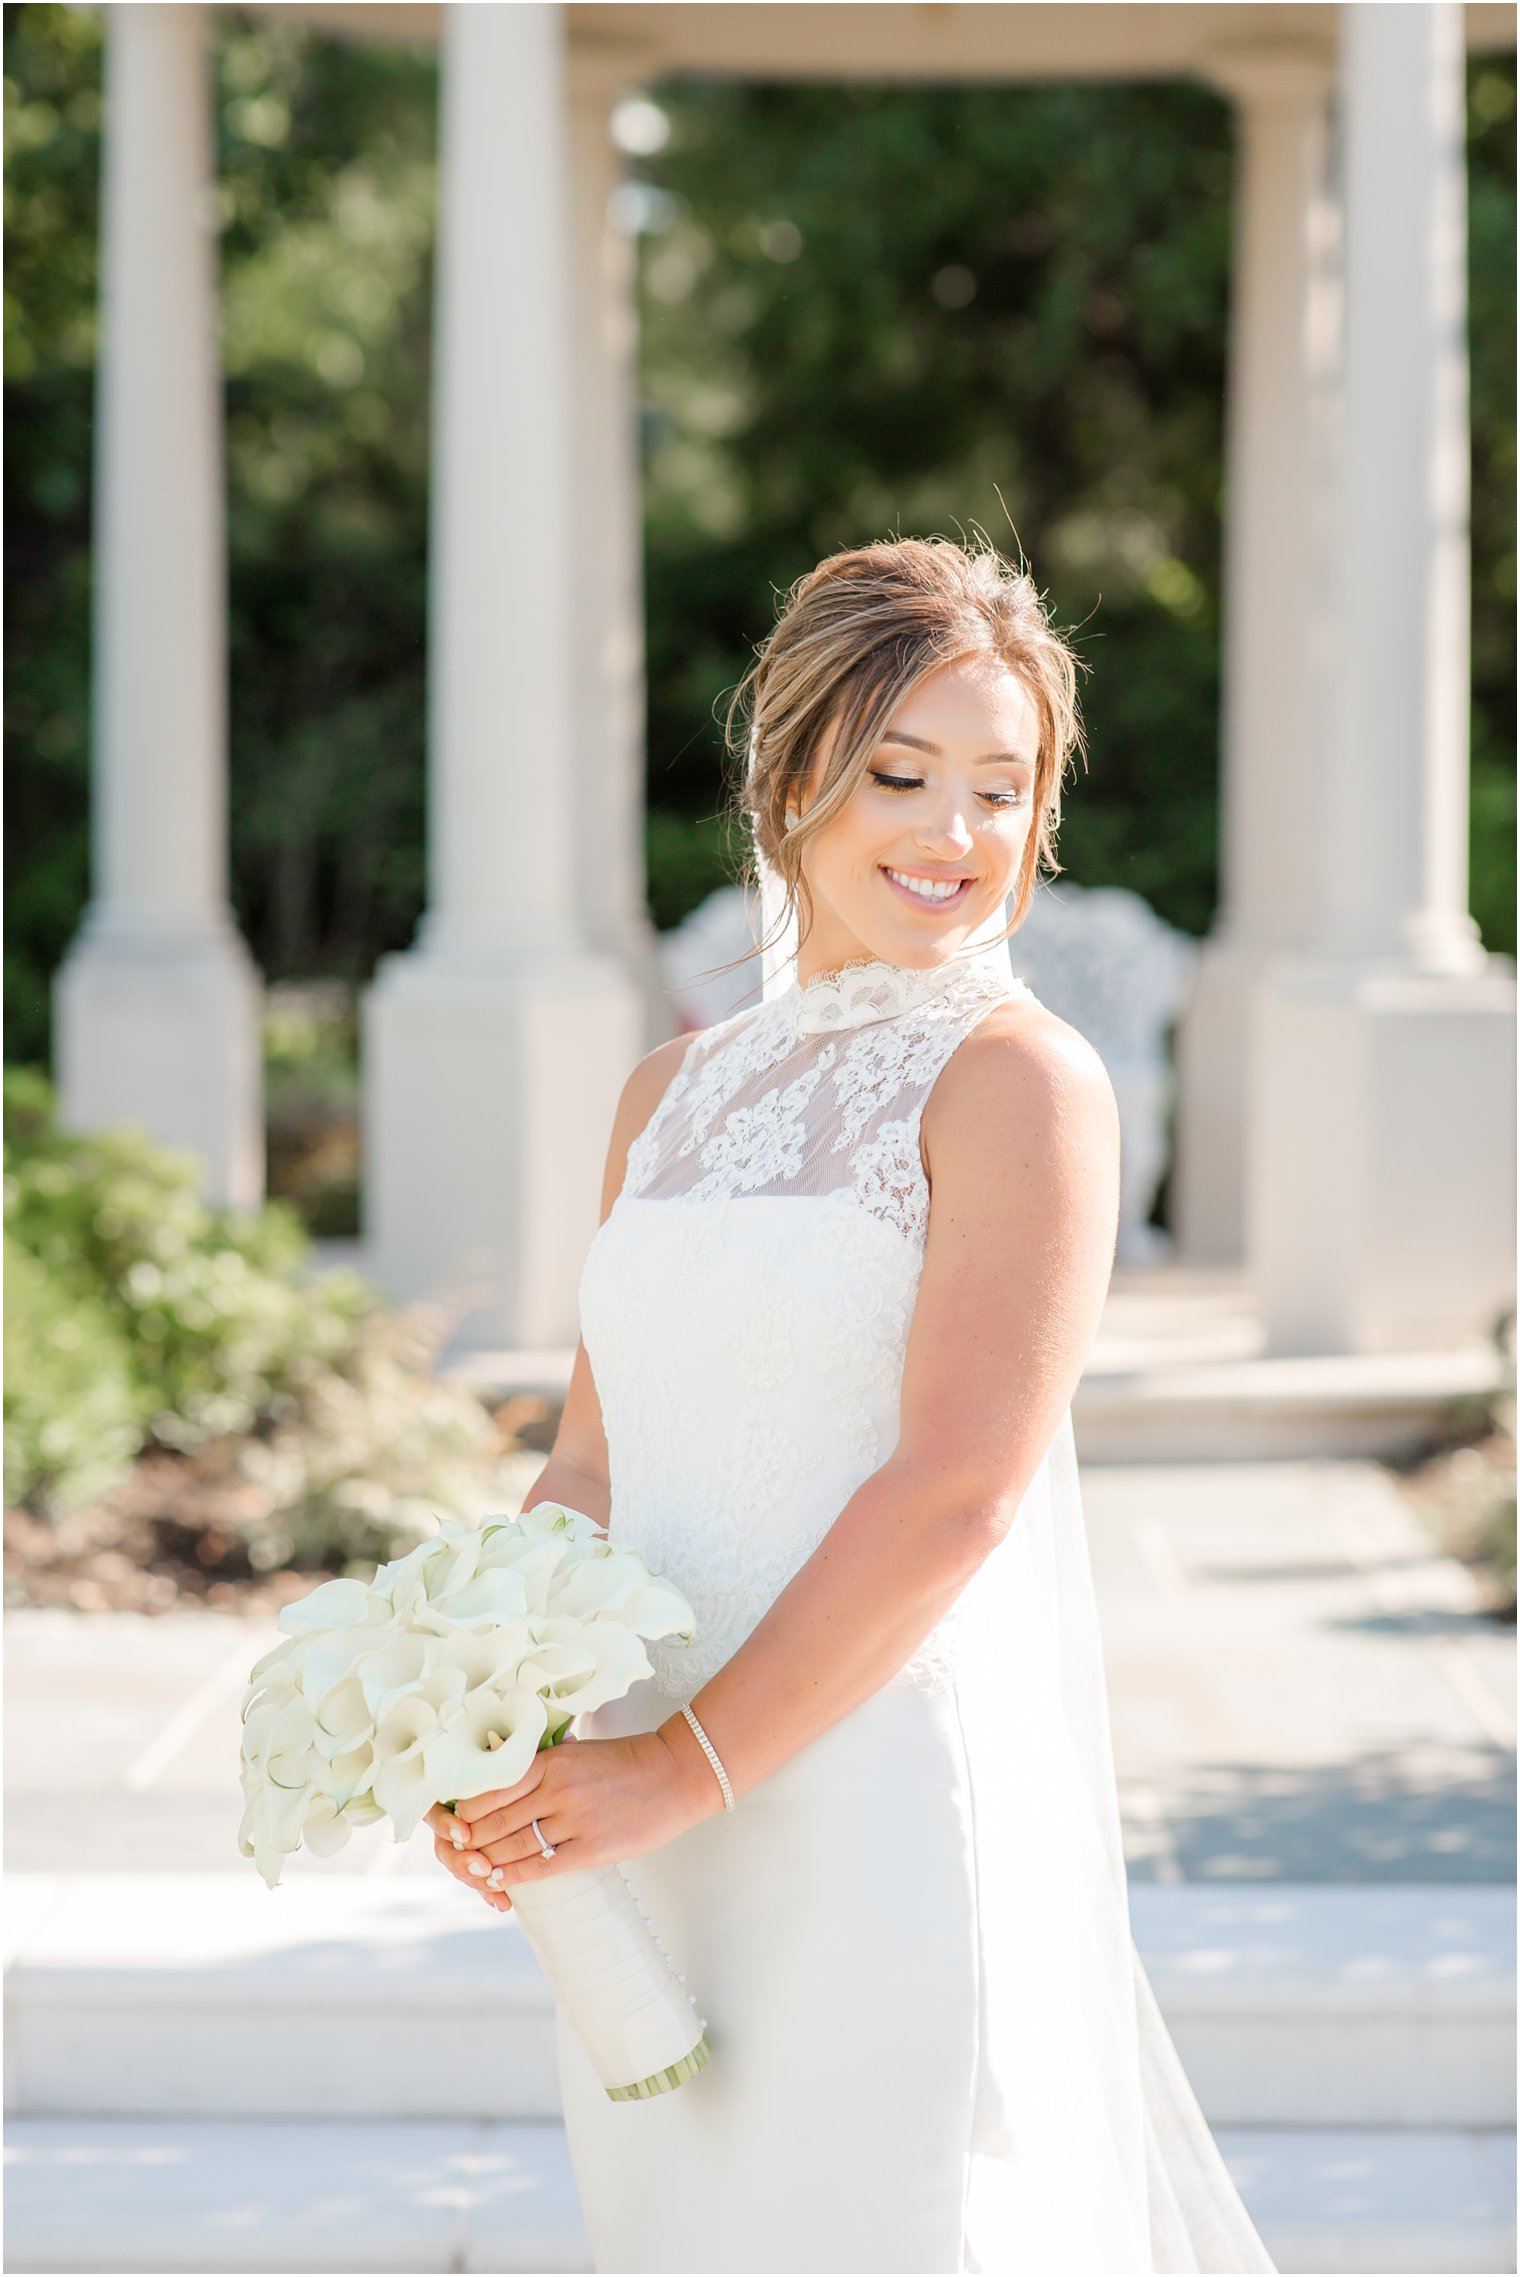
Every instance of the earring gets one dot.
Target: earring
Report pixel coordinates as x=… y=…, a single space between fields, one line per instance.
x=792 y=821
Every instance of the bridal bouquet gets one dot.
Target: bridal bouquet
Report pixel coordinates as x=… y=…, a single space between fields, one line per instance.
x=441 y=1679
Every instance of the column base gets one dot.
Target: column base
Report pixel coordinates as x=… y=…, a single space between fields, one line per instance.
x=489 y=1095
x=1380 y=1157
x=165 y=1033
x=1209 y=1118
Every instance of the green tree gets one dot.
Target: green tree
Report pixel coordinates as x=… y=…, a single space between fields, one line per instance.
x=873 y=310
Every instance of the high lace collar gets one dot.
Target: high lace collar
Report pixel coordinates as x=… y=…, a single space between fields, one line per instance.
x=873 y=988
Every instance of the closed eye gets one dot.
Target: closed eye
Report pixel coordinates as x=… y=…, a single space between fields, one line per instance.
x=916 y=783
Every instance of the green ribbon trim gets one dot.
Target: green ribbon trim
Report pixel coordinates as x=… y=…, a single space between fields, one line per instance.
x=660 y=2081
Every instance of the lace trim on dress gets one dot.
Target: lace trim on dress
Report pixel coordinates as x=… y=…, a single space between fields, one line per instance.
x=872 y=988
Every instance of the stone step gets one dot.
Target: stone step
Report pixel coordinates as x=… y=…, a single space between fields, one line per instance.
x=167 y=2196
x=339 y=1997
x=1348 y=2005
x=1377 y=2202
x=1272 y=1407
x=1179 y=1372
x=182 y=2195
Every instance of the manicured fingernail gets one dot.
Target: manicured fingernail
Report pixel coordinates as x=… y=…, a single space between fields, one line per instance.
x=479 y=1866
x=498 y=1880
x=456 y=1836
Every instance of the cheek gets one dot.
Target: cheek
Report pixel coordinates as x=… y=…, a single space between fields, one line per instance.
x=855 y=841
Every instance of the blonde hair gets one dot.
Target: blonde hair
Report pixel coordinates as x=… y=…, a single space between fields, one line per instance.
x=854 y=637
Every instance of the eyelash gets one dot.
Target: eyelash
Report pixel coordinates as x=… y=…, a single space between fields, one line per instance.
x=999 y=800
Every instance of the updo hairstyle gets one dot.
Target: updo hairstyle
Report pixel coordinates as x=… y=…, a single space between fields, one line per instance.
x=854 y=637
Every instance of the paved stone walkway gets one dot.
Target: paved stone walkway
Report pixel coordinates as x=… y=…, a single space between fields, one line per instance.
x=1301 y=1691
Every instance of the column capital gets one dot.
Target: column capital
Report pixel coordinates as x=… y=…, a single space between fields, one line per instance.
x=1283 y=74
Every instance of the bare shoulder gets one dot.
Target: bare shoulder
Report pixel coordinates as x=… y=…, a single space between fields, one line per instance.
x=643 y=1089
x=651 y=1078
x=1024 y=1088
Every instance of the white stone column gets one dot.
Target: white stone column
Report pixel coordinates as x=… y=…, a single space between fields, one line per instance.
x=608 y=538
x=496 y=1048
x=1281 y=365
x=157 y=1004
x=1380 y=1185
x=1396 y=865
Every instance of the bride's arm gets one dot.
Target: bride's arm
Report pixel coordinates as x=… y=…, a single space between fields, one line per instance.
x=1022 y=1138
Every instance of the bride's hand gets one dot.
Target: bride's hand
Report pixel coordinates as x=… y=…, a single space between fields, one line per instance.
x=599 y=1801
x=451 y=1847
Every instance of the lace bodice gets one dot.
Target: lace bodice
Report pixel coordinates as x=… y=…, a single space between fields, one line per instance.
x=745 y=1304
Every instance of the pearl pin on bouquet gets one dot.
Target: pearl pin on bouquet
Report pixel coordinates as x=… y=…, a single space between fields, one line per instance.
x=442 y=1678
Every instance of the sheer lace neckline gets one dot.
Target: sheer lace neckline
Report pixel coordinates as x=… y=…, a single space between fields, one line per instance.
x=873 y=988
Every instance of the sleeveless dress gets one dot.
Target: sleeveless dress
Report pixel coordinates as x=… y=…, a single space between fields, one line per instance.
x=934 y=2044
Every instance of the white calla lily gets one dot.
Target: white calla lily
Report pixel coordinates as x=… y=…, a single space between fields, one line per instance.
x=623 y=1584
x=326 y=1829
x=487 y=1600
x=334 y=1605
x=489 y=1744
x=488 y=1656
x=346 y=1778
x=399 y=1665
x=344 y=1719
x=401 y=1782
x=600 y=1666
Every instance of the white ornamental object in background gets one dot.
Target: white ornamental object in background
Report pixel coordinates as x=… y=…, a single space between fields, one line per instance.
x=1101 y=958
x=719 y=929
x=440 y=1680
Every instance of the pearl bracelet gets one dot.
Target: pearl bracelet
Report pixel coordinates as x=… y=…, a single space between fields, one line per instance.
x=711 y=1753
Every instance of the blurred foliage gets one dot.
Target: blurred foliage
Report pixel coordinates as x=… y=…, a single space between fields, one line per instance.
x=865 y=310
x=136 y=1315
x=1491 y=271
x=74 y=1409
x=213 y=1312
x=869 y=311
x=688 y=856
x=311 y=1102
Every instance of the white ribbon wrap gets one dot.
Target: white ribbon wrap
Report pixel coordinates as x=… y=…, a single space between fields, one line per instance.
x=621 y=1992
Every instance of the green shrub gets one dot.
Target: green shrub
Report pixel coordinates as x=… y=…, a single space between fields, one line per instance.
x=216 y=1313
x=134 y=1312
x=369 y=1453
x=74 y=1413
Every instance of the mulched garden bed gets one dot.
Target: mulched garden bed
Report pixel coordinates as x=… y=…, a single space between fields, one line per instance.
x=175 y=1532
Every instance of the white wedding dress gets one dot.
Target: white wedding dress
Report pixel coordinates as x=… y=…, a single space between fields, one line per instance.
x=934 y=2044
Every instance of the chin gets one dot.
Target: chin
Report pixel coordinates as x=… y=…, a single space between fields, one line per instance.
x=917 y=946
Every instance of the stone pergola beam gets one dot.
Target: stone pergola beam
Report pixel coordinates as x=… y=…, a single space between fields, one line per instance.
x=969 y=40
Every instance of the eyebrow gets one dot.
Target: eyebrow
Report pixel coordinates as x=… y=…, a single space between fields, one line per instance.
x=917 y=743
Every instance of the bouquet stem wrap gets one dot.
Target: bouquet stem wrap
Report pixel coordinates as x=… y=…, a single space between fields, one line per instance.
x=616 y=1985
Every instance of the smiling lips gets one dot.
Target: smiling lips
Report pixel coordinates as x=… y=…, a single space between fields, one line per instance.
x=934 y=893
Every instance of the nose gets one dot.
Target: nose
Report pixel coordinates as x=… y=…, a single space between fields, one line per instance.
x=948 y=834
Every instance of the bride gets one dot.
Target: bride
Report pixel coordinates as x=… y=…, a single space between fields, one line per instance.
x=854 y=1245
